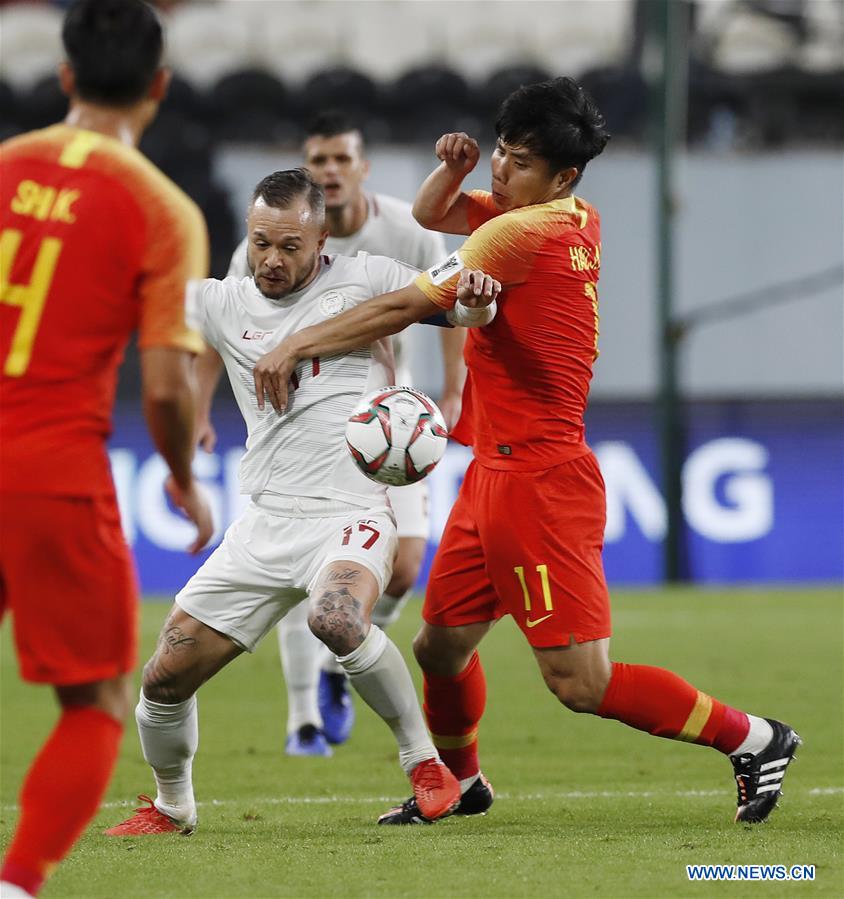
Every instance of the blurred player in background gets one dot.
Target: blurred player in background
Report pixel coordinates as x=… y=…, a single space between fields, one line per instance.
x=316 y=526
x=382 y=225
x=95 y=244
x=526 y=533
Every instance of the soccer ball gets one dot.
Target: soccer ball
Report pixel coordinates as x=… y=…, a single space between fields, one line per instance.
x=396 y=435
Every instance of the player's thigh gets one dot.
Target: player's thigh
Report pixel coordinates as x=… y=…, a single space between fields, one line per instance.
x=544 y=554
x=459 y=590
x=250 y=581
x=410 y=507
x=70 y=584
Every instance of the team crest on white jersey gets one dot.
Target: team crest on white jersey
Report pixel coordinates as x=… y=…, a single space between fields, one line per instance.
x=332 y=303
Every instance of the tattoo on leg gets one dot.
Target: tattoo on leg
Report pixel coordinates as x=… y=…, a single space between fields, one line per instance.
x=338 y=621
x=175 y=640
x=346 y=576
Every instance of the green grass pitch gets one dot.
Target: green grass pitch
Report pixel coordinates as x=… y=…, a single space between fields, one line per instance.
x=585 y=807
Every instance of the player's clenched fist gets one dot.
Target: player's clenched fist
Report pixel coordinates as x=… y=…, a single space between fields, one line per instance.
x=458 y=151
x=476 y=289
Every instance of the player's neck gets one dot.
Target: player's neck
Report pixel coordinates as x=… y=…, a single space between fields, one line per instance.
x=126 y=125
x=562 y=194
x=344 y=221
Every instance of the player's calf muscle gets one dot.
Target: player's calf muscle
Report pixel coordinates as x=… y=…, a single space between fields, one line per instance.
x=188 y=653
x=164 y=684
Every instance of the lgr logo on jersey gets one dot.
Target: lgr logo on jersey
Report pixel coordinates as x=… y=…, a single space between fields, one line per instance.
x=332 y=303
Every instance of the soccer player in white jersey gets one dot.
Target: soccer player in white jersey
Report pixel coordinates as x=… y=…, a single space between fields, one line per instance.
x=315 y=527
x=357 y=220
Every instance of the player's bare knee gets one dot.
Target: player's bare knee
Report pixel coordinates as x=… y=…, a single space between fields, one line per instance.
x=340 y=606
x=575 y=693
x=112 y=696
x=338 y=619
x=440 y=656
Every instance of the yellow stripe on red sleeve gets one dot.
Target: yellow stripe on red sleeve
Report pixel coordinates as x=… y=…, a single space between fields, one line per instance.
x=502 y=248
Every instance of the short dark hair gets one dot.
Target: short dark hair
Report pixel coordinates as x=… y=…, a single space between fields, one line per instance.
x=555 y=119
x=280 y=189
x=114 y=48
x=331 y=122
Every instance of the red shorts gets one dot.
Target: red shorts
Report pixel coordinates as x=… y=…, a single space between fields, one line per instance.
x=527 y=544
x=67 y=576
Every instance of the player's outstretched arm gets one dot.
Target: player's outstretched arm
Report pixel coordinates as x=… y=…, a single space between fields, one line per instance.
x=207 y=368
x=440 y=204
x=168 y=402
x=370 y=321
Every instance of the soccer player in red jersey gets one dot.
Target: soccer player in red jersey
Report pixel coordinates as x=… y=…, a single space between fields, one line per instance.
x=526 y=533
x=95 y=243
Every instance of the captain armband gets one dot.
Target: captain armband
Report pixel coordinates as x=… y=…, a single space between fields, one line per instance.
x=471 y=317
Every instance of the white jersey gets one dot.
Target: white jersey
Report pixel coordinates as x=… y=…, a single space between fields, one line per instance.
x=301 y=452
x=389 y=230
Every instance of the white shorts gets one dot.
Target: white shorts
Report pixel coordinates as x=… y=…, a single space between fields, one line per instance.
x=267 y=563
x=410 y=506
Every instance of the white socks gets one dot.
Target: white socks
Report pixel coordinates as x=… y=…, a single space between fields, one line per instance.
x=378 y=672
x=467 y=782
x=757 y=738
x=169 y=739
x=301 y=653
x=13 y=891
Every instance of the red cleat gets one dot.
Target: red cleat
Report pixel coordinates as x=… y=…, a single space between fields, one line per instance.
x=435 y=789
x=148 y=820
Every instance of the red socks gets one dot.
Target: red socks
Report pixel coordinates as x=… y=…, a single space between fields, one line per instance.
x=665 y=705
x=61 y=794
x=647 y=698
x=453 y=708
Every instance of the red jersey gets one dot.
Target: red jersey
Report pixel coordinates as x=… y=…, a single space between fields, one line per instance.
x=95 y=243
x=529 y=370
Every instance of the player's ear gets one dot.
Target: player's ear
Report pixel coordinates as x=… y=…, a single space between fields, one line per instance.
x=322 y=239
x=366 y=167
x=565 y=177
x=160 y=84
x=67 y=80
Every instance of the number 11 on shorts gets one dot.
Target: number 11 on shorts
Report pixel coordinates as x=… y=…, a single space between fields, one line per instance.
x=542 y=570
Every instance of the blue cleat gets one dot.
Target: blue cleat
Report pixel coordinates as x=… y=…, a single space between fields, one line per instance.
x=336 y=707
x=308 y=740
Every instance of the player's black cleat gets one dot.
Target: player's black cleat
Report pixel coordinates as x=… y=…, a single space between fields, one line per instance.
x=475 y=801
x=759 y=777
x=406 y=813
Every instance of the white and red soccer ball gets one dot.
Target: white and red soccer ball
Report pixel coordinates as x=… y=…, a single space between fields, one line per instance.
x=396 y=435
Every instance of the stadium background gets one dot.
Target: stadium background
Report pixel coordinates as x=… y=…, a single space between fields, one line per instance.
x=757 y=229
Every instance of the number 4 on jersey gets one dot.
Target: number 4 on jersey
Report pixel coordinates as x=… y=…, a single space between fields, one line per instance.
x=29 y=298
